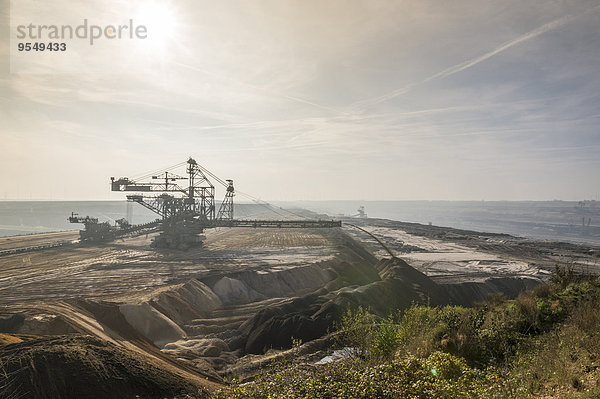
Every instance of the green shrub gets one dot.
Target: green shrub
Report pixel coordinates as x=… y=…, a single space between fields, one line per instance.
x=440 y=375
x=386 y=340
x=356 y=330
x=422 y=328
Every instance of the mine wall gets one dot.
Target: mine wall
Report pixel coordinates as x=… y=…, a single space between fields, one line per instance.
x=469 y=293
x=204 y=325
x=209 y=327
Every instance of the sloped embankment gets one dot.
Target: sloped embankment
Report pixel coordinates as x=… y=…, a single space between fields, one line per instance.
x=387 y=286
x=84 y=367
x=103 y=321
x=468 y=293
x=158 y=316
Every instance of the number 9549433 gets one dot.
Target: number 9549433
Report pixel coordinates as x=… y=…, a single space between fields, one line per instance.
x=42 y=46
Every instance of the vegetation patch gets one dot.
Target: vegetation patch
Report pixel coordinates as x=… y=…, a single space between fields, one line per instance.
x=545 y=343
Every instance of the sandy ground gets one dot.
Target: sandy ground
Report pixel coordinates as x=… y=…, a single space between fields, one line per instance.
x=115 y=270
x=448 y=261
x=50 y=284
x=31 y=240
x=451 y=255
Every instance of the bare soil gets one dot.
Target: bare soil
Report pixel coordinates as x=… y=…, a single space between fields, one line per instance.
x=85 y=367
x=31 y=240
x=126 y=266
x=188 y=318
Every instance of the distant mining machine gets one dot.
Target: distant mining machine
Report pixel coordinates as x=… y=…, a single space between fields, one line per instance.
x=186 y=205
x=185 y=211
x=361 y=213
x=93 y=230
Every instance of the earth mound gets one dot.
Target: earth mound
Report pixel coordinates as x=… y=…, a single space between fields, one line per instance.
x=78 y=366
x=389 y=284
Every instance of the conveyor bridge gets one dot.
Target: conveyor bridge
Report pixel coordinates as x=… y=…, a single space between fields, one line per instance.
x=279 y=223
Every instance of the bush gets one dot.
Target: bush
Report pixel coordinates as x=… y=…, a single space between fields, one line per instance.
x=386 y=340
x=425 y=329
x=440 y=375
x=356 y=330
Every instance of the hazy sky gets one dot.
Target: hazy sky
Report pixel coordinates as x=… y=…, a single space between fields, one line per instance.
x=315 y=99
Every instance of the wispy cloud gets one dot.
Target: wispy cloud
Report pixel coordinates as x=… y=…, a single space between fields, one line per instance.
x=262 y=90
x=557 y=23
x=269 y=93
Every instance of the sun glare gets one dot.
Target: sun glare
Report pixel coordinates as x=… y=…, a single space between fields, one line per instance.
x=160 y=21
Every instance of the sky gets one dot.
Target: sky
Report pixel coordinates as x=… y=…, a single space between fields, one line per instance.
x=309 y=99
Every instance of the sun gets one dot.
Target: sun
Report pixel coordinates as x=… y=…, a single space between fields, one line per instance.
x=160 y=20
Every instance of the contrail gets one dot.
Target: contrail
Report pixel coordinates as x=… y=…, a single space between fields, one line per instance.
x=262 y=89
x=469 y=63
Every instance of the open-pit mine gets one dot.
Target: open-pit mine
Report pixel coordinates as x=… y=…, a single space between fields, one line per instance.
x=122 y=316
